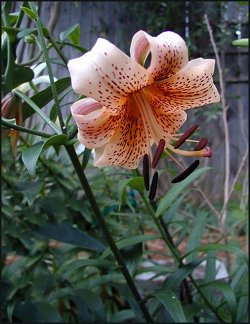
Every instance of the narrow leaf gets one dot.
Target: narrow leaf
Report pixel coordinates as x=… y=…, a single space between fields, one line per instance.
x=172 y=304
x=42 y=98
x=67 y=268
x=37 y=110
x=176 y=189
x=175 y=278
x=196 y=234
x=219 y=247
x=29 y=13
x=130 y=241
x=136 y=183
x=68 y=234
x=241 y=42
x=228 y=293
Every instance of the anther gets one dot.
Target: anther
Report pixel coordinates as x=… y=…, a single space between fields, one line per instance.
x=201 y=144
x=145 y=170
x=187 y=172
x=186 y=135
x=158 y=152
x=153 y=186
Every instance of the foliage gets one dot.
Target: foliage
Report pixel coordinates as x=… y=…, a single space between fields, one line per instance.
x=58 y=262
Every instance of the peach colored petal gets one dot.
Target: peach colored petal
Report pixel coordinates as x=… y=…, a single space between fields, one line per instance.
x=95 y=125
x=168 y=52
x=190 y=87
x=128 y=144
x=107 y=75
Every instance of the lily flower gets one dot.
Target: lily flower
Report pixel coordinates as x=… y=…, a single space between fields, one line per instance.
x=130 y=106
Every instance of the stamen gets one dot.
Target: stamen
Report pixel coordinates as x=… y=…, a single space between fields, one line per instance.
x=187 y=172
x=201 y=144
x=153 y=187
x=145 y=170
x=187 y=134
x=158 y=153
x=208 y=152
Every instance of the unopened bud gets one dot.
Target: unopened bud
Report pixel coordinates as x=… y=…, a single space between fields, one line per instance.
x=9 y=105
x=30 y=39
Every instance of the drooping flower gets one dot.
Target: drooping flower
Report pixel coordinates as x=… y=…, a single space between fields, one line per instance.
x=128 y=106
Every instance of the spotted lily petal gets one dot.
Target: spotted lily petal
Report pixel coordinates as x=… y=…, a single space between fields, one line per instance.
x=168 y=52
x=129 y=143
x=107 y=75
x=95 y=125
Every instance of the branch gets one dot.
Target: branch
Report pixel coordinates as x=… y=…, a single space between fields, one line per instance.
x=223 y=214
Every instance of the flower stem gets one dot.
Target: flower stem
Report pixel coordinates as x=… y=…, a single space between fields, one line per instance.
x=24 y=129
x=85 y=185
x=50 y=73
x=175 y=252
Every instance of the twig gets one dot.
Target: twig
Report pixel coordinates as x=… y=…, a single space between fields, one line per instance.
x=54 y=16
x=236 y=178
x=225 y=124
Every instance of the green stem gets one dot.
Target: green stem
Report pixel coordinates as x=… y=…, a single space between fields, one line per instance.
x=85 y=185
x=50 y=73
x=24 y=129
x=10 y=64
x=175 y=252
x=20 y=16
x=59 y=51
x=32 y=60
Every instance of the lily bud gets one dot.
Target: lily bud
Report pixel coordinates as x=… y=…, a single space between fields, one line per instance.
x=10 y=104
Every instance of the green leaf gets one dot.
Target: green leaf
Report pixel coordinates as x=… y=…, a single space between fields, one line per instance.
x=130 y=241
x=85 y=158
x=228 y=293
x=196 y=234
x=28 y=312
x=172 y=304
x=67 y=268
x=132 y=256
x=29 y=13
x=176 y=189
x=241 y=42
x=60 y=139
x=42 y=98
x=30 y=157
x=73 y=33
x=123 y=316
x=175 y=278
x=31 y=154
x=30 y=190
x=37 y=109
x=219 y=247
x=25 y=32
x=22 y=74
x=136 y=183
x=68 y=234
x=240 y=274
